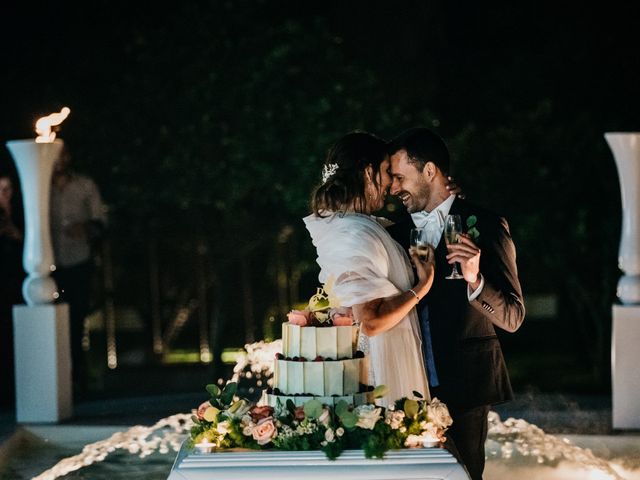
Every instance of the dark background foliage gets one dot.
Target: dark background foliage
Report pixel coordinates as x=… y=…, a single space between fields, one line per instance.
x=205 y=125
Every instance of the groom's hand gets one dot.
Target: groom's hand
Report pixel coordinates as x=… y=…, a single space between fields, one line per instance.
x=467 y=254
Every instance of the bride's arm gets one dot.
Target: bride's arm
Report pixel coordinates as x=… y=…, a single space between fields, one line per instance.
x=379 y=315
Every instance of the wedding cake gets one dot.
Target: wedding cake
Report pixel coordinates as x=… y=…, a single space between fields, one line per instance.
x=318 y=399
x=319 y=357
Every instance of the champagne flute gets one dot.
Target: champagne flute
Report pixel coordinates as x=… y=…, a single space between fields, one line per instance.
x=418 y=241
x=452 y=231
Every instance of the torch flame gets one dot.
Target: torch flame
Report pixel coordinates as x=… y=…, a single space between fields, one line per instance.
x=44 y=124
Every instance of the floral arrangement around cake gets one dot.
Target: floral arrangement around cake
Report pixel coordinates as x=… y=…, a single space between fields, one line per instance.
x=225 y=423
x=332 y=418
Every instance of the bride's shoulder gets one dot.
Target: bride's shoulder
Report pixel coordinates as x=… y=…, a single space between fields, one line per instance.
x=384 y=222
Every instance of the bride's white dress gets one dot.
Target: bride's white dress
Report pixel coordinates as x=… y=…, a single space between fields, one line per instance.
x=366 y=263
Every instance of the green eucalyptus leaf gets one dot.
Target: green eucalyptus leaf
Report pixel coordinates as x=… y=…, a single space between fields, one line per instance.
x=473 y=233
x=213 y=390
x=341 y=407
x=291 y=406
x=313 y=408
x=471 y=221
x=380 y=391
x=349 y=419
x=410 y=408
x=228 y=392
x=236 y=405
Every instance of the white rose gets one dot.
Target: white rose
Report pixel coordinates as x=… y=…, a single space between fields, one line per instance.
x=340 y=431
x=223 y=427
x=439 y=414
x=413 y=441
x=430 y=430
x=394 y=418
x=368 y=415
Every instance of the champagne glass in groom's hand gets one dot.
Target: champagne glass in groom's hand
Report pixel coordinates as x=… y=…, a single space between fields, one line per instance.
x=452 y=232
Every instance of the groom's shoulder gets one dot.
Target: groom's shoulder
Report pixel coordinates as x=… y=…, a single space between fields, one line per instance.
x=483 y=214
x=478 y=209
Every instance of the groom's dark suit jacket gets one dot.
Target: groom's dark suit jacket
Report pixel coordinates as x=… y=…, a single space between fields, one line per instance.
x=467 y=353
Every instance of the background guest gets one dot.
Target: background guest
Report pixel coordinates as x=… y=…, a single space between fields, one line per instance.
x=78 y=220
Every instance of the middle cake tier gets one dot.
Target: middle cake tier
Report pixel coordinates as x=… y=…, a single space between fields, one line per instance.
x=321 y=378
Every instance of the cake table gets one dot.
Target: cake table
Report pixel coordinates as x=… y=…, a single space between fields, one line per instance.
x=419 y=463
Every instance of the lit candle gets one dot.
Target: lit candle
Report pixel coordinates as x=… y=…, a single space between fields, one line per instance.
x=44 y=124
x=429 y=440
x=205 y=447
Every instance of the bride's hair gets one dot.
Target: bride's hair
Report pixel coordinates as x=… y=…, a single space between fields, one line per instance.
x=344 y=185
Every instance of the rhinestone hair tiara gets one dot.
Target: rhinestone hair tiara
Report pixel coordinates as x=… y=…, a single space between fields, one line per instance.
x=328 y=171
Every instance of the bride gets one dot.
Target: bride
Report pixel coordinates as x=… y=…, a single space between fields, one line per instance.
x=372 y=272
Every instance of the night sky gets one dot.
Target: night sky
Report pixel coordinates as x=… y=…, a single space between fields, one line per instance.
x=479 y=57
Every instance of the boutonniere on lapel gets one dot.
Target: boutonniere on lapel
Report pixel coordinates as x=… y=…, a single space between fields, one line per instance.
x=472 y=231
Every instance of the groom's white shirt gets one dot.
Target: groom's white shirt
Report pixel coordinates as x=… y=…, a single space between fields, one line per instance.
x=433 y=223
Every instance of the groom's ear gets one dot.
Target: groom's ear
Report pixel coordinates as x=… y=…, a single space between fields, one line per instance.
x=429 y=171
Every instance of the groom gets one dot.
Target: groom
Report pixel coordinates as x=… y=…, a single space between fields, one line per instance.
x=458 y=317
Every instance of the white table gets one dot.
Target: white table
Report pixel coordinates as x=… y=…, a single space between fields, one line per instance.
x=422 y=464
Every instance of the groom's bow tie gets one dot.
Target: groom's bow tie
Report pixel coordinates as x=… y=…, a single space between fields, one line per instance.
x=432 y=223
x=429 y=221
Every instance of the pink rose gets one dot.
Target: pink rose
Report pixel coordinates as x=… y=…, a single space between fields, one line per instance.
x=201 y=409
x=298 y=317
x=264 y=431
x=342 y=317
x=340 y=321
x=258 y=413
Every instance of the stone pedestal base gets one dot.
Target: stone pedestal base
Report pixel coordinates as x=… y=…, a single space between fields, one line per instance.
x=625 y=369
x=420 y=463
x=43 y=363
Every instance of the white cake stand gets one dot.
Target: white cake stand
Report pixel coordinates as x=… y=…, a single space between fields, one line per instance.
x=419 y=463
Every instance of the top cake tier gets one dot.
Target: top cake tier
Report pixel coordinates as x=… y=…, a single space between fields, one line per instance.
x=312 y=342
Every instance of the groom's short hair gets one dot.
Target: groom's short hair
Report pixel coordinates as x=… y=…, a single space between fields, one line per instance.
x=422 y=146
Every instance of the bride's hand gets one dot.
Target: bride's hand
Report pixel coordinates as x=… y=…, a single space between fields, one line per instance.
x=425 y=268
x=454 y=188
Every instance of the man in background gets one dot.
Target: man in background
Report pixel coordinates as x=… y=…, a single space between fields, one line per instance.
x=78 y=220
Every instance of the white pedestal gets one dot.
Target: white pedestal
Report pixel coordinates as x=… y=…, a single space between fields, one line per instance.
x=422 y=463
x=625 y=370
x=43 y=363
